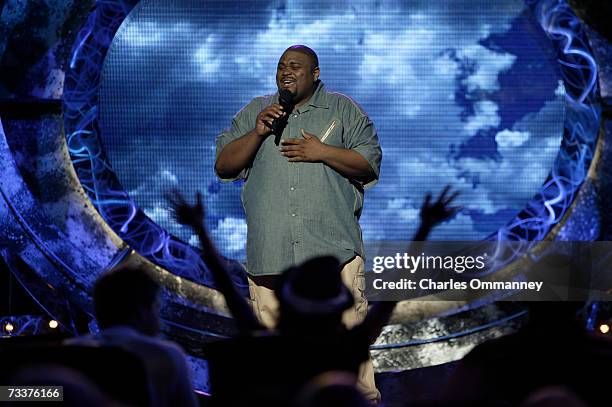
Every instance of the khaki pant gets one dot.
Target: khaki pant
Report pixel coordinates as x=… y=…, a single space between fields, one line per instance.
x=265 y=306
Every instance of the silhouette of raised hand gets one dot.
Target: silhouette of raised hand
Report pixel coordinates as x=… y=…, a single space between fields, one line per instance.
x=193 y=216
x=183 y=212
x=437 y=212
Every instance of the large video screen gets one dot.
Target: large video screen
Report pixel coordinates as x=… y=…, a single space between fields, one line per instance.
x=460 y=92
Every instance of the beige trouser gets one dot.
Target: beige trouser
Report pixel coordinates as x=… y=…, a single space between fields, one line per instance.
x=265 y=305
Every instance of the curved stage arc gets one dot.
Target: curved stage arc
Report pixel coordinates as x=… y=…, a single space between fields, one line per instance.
x=66 y=218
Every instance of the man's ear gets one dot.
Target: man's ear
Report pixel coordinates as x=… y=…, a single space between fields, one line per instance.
x=315 y=73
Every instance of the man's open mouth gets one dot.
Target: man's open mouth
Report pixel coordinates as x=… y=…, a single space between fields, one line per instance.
x=288 y=82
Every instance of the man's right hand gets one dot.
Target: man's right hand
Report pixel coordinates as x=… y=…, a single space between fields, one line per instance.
x=263 y=125
x=240 y=153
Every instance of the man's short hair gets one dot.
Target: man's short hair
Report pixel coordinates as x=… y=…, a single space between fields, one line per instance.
x=306 y=51
x=121 y=293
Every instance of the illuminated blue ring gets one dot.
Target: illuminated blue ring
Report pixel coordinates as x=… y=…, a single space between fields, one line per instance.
x=580 y=134
x=81 y=115
x=542 y=213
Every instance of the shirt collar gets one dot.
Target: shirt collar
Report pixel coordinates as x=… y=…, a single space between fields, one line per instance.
x=318 y=99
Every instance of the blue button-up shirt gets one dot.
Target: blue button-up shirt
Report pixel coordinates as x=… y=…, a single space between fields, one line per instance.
x=298 y=210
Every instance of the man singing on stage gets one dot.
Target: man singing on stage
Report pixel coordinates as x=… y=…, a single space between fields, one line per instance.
x=306 y=155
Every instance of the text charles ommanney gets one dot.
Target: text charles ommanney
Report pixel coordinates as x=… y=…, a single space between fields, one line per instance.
x=474 y=284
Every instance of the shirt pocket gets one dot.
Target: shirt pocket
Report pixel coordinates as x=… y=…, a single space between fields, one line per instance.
x=332 y=133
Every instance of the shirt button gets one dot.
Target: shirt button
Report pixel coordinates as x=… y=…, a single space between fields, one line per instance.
x=292 y=188
x=293 y=214
x=295 y=115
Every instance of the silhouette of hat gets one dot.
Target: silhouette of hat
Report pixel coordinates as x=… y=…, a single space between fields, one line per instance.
x=315 y=287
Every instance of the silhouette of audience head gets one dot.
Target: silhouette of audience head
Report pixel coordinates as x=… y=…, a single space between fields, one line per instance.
x=127 y=295
x=331 y=389
x=312 y=295
x=553 y=396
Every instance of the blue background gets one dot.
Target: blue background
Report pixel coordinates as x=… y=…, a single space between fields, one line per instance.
x=467 y=95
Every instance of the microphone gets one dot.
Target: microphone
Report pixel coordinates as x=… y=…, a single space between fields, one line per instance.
x=285 y=99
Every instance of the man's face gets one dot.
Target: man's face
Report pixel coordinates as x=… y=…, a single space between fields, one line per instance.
x=296 y=74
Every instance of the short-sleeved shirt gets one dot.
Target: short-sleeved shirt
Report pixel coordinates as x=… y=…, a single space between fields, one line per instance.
x=299 y=210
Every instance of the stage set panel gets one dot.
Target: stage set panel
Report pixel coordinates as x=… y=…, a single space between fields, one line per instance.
x=116 y=102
